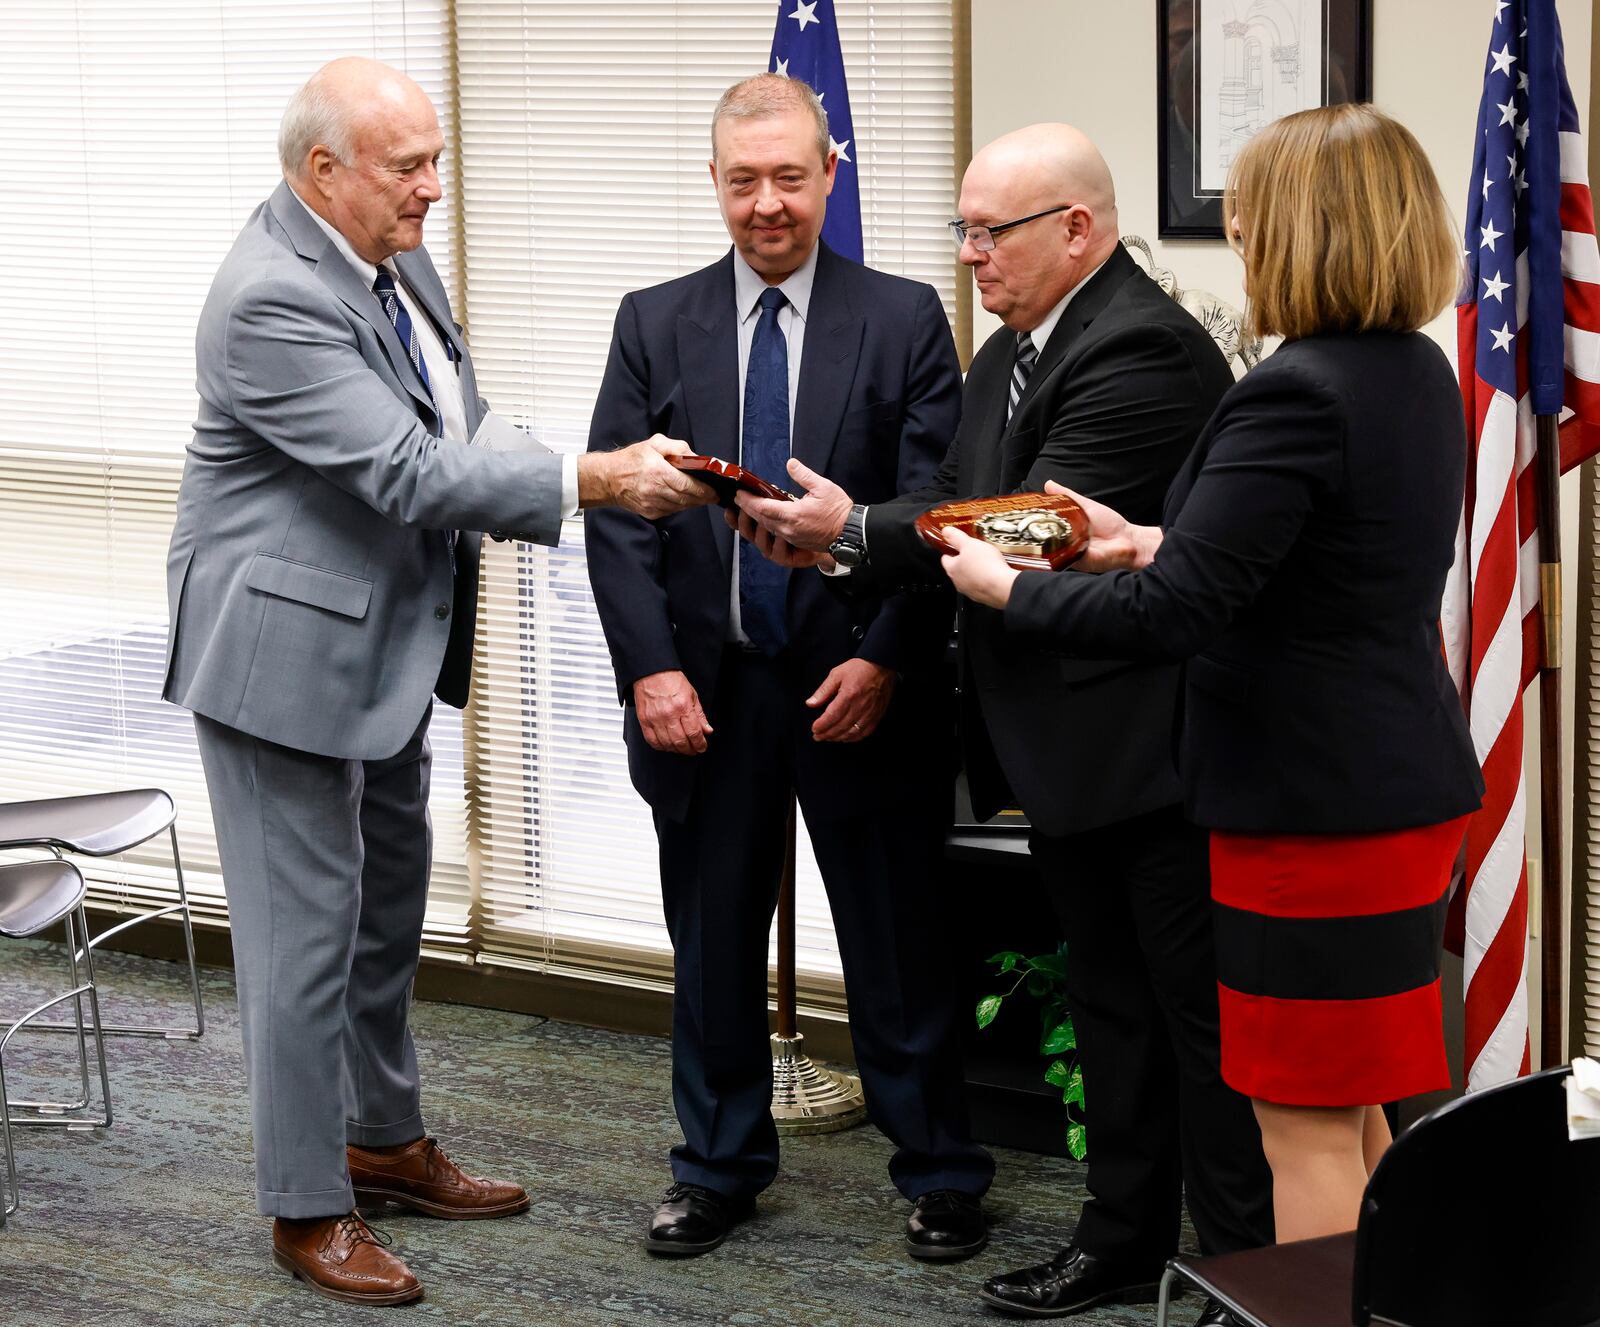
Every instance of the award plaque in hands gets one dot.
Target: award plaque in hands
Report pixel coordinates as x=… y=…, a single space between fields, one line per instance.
x=1035 y=531
x=727 y=478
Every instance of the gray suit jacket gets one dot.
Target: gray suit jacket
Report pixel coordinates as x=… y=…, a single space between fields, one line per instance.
x=309 y=575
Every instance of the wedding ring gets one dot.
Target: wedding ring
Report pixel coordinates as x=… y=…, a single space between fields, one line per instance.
x=855 y=727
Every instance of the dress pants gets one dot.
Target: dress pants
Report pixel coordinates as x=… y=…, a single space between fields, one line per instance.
x=1134 y=904
x=325 y=865
x=879 y=858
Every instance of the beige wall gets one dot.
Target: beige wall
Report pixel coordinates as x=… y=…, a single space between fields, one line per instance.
x=1093 y=63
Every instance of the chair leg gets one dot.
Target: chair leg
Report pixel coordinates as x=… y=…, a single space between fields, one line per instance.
x=188 y=940
x=1164 y=1302
x=72 y=1114
x=181 y=909
x=10 y=1196
x=94 y=1013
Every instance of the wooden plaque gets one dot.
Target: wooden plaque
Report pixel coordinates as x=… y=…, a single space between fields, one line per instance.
x=727 y=478
x=1035 y=531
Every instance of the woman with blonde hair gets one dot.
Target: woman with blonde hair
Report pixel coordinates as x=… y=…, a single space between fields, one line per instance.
x=1299 y=569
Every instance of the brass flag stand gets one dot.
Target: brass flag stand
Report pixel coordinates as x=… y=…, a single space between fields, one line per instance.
x=805 y=1097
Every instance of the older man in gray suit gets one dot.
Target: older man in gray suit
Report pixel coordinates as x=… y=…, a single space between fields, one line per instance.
x=323 y=581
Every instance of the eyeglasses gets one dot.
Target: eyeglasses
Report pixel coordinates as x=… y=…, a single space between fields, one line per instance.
x=982 y=237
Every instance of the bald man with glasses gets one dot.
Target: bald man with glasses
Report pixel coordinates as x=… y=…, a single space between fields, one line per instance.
x=1100 y=382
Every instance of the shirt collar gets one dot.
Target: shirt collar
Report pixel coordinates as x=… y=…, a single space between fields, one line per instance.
x=1047 y=324
x=748 y=285
x=363 y=269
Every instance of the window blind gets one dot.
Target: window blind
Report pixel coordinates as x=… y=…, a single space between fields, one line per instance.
x=584 y=132
x=585 y=136
x=141 y=139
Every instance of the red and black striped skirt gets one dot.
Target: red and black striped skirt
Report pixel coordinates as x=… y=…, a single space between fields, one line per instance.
x=1328 y=951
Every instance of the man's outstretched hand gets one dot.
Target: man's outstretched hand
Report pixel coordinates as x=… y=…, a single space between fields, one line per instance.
x=641 y=479
x=812 y=521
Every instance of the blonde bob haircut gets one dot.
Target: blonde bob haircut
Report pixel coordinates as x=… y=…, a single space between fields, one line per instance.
x=1341 y=226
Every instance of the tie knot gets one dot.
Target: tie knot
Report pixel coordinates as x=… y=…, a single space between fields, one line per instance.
x=772 y=299
x=1026 y=351
x=383 y=284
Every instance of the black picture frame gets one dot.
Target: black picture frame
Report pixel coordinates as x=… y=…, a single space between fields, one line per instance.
x=1188 y=207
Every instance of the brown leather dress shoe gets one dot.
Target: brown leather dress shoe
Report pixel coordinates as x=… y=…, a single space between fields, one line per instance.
x=343 y=1258
x=419 y=1175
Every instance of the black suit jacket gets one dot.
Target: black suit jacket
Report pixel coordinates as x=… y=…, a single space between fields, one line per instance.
x=1116 y=400
x=878 y=401
x=1306 y=548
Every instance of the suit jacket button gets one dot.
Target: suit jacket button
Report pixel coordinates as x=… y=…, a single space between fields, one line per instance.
x=442 y=612
x=858 y=633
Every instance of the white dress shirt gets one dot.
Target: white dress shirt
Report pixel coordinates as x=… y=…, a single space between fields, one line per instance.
x=444 y=375
x=747 y=287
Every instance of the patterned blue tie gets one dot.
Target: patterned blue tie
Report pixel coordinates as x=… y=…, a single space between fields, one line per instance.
x=389 y=297
x=763 y=585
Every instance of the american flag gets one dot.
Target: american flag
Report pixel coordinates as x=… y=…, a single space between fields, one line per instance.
x=1528 y=329
x=805 y=45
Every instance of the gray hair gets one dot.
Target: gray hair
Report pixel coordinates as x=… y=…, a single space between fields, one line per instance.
x=770 y=94
x=313 y=116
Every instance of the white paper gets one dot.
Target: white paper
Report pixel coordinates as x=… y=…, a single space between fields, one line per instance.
x=1583 y=1100
x=499 y=434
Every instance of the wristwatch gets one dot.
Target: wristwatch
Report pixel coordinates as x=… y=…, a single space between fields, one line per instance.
x=850 y=548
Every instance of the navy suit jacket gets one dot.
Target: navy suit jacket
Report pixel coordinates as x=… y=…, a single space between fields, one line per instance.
x=878 y=401
x=1306 y=548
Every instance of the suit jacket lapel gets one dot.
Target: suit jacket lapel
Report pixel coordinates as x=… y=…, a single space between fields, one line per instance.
x=335 y=272
x=1021 y=440
x=423 y=281
x=827 y=365
x=992 y=430
x=708 y=368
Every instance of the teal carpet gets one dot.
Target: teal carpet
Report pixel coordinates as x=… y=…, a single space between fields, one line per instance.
x=152 y=1222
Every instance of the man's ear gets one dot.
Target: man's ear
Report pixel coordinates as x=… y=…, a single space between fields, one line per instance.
x=319 y=169
x=829 y=168
x=1078 y=222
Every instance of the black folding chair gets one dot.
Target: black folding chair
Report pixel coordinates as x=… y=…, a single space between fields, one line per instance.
x=1482 y=1214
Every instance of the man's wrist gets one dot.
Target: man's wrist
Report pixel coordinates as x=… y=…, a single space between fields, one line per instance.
x=849 y=546
x=595 y=487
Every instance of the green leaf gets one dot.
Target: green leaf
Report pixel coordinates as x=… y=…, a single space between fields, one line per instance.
x=1038 y=985
x=1058 y=1075
x=1077 y=1141
x=1054 y=965
x=1073 y=1096
x=1062 y=1037
x=988 y=1007
x=1006 y=958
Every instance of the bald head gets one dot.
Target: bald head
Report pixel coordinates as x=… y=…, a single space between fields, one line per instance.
x=1049 y=168
x=360 y=145
x=339 y=104
x=1043 y=165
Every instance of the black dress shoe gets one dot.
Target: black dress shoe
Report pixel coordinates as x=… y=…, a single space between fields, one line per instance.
x=1216 y=1316
x=946 y=1223
x=1069 y=1283
x=691 y=1219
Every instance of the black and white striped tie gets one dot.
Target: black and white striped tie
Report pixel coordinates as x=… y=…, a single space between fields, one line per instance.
x=1027 y=357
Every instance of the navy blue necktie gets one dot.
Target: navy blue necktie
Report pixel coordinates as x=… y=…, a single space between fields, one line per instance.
x=763 y=585
x=389 y=297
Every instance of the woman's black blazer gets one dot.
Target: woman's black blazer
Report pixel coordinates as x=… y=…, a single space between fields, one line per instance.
x=1306 y=546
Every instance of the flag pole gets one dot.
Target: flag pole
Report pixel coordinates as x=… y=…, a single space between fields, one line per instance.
x=806 y=1098
x=1552 y=875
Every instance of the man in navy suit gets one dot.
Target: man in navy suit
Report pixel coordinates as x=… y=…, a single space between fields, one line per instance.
x=742 y=681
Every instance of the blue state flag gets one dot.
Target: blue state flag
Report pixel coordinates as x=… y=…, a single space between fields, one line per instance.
x=805 y=45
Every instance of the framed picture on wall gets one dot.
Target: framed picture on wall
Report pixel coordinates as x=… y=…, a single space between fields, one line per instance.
x=1228 y=67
